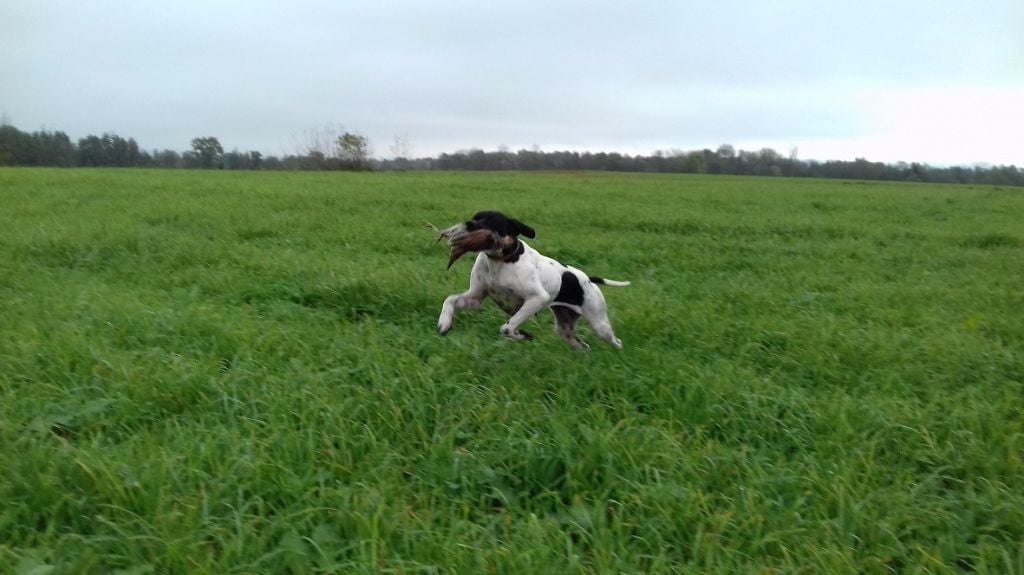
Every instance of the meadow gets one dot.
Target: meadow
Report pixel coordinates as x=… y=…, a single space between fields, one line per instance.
x=210 y=372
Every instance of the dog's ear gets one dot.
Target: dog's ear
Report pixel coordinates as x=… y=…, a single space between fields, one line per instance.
x=522 y=229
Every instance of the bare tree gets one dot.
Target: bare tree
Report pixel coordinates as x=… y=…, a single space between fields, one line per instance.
x=401 y=149
x=317 y=145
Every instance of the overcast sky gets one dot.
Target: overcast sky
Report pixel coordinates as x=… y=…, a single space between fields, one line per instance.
x=937 y=81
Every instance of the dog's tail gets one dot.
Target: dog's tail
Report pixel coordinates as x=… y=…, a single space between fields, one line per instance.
x=604 y=282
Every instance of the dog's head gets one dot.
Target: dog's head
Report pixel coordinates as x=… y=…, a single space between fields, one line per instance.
x=500 y=224
x=491 y=232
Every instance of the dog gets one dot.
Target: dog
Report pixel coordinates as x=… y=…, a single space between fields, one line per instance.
x=522 y=281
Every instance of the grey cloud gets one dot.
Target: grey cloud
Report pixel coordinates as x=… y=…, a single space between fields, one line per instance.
x=459 y=73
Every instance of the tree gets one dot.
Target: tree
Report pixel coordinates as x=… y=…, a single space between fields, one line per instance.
x=724 y=160
x=8 y=142
x=91 y=152
x=769 y=162
x=400 y=150
x=695 y=163
x=354 y=151
x=207 y=152
x=166 y=159
x=317 y=148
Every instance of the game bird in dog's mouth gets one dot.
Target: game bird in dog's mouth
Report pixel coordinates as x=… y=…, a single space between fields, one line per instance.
x=522 y=281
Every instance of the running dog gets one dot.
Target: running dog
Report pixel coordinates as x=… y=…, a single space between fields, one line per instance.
x=522 y=281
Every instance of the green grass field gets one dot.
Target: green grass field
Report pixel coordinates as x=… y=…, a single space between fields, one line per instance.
x=206 y=372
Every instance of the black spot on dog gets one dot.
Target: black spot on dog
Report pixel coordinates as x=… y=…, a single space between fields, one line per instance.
x=571 y=291
x=566 y=317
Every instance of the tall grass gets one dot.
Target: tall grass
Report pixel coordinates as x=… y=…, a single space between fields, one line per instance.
x=238 y=372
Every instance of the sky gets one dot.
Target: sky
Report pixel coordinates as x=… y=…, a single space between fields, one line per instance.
x=934 y=81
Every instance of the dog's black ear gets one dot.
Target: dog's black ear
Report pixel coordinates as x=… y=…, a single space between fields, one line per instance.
x=522 y=229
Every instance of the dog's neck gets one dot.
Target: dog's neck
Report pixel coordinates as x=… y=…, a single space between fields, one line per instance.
x=509 y=254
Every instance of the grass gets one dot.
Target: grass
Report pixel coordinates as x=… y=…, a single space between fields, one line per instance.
x=208 y=372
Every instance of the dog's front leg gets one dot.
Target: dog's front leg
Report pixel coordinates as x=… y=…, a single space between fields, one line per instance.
x=531 y=306
x=467 y=300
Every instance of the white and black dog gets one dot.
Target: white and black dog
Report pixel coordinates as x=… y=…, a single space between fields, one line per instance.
x=521 y=281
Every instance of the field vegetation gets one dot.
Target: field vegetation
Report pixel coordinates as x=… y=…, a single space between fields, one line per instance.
x=238 y=372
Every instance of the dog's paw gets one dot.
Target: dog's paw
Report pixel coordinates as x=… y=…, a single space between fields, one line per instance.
x=443 y=327
x=515 y=334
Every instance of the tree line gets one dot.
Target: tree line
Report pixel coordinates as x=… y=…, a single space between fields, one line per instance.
x=330 y=150
x=45 y=148
x=724 y=160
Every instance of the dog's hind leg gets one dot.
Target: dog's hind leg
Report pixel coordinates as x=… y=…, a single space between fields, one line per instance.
x=603 y=328
x=565 y=326
x=596 y=312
